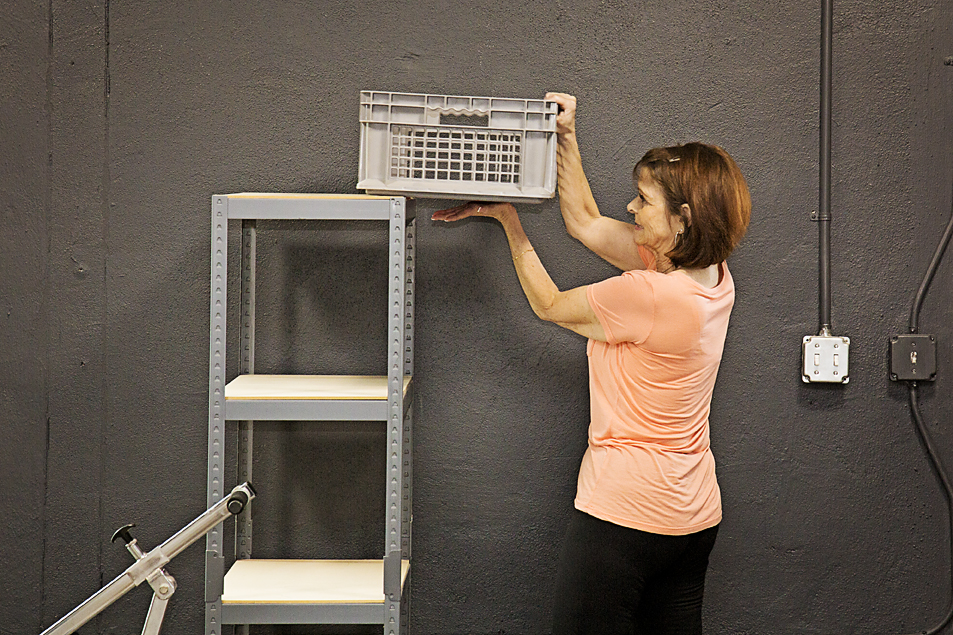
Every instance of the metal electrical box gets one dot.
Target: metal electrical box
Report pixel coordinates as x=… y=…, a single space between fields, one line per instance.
x=913 y=357
x=825 y=359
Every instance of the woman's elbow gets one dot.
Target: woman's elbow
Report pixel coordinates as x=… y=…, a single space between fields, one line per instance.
x=584 y=232
x=575 y=230
x=544 y=311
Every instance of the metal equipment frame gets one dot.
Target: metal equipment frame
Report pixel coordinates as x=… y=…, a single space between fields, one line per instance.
x=149 y=567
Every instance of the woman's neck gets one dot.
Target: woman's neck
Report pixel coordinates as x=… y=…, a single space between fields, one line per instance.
x=706 y=276
x=662 y=262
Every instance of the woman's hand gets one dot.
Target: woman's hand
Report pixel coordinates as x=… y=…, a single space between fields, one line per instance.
x=566 y=119
x=499 y=211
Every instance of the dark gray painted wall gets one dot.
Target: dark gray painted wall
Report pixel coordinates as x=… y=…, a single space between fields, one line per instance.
x=24 y=306
x=118 y=121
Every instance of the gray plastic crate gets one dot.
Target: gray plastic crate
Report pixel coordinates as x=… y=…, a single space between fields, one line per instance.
x=446 y=146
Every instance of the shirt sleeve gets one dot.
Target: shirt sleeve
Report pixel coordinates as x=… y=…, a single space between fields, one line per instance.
x=625 y=306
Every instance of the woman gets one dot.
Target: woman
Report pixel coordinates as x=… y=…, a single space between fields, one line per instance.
x=647 y=502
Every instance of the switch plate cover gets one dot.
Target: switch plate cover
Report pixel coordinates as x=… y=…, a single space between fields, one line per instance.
x=825 y=359
x=913 y=357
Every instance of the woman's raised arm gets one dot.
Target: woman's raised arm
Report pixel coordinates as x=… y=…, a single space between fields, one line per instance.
x=610 y=239
x=569 y=309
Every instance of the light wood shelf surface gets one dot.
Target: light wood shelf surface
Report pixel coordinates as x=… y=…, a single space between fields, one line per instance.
x=309 y=387
x=307 y=582
x=337 y=197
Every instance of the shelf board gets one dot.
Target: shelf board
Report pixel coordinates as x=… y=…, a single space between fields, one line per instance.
x=306 y=591
x=335 y=197
x=278 y=206
x=310 y=397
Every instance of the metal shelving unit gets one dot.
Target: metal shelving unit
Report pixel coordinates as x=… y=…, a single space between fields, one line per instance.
x=310 y=591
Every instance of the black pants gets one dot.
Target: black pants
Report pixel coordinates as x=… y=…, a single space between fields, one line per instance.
x=618 y=581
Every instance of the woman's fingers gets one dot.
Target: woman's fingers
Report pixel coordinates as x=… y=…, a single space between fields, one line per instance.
x=489 y=210
x=566 y=118
x=441 y=214
x=457 y=213
x=565 y=100
x=567 y=103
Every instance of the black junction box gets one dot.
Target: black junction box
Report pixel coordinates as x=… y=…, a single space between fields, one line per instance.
x=913 y=357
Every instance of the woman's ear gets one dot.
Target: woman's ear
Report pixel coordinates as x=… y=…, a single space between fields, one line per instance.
x=686 y=213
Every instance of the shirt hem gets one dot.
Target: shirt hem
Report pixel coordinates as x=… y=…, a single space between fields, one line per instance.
x=649 y=527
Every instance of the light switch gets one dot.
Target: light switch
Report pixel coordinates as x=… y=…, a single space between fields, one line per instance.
x=830 y=357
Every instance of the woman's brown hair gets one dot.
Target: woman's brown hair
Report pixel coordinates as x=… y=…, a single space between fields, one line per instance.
x=708 y=180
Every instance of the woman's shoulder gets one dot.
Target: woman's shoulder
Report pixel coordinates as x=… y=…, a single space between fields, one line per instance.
x=707 y=277
x=679 y=288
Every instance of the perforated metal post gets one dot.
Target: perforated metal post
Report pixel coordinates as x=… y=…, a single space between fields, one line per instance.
x=395 y=409
x=410 y=243
x=214 y=562
x=243 y=524
x=410 y=247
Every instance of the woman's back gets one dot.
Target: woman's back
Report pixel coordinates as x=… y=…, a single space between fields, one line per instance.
x=649 y=464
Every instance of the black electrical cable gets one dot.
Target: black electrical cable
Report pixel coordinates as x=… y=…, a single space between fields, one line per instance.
x=824 y=269
x=947 y=489
x=928 y=277
x=824 y=171
x=917 y=417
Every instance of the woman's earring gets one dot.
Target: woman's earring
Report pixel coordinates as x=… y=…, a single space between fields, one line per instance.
x=678 y=236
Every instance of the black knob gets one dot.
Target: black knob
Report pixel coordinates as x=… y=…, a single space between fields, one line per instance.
x=123 y=532
x=236 y=502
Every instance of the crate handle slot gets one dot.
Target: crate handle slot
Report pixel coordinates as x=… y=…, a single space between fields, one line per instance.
x=459 y=111
x=471 y=121
x=462 y=116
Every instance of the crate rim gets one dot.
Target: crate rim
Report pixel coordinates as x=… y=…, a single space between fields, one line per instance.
x=398 y=92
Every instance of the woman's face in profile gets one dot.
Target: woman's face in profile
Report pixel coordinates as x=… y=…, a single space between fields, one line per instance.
x=656 y=227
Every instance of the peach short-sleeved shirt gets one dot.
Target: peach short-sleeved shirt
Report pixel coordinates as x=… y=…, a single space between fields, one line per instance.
x=649 y=464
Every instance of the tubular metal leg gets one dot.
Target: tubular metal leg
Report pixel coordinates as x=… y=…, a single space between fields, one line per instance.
x=148 y=568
